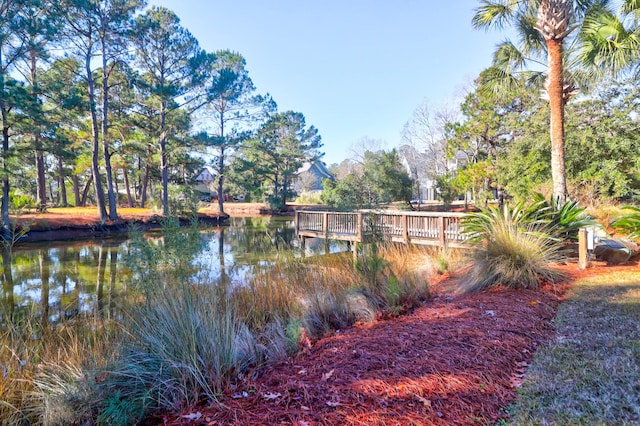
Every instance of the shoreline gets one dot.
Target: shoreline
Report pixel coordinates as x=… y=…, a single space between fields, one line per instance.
x=83 y=223
x=70 y=226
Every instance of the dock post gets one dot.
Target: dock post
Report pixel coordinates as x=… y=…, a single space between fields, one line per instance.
x=443 y=242
x=405 y=224
x=583 y=254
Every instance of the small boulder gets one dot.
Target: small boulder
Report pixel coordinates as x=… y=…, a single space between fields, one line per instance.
x=613 y=250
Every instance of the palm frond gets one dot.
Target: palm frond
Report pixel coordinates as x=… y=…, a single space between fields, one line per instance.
x=607 y=44
x=499 y=82
x=583 y=7
x=631 y=7
x=629 y=223
x=507 y=56
x=535 y=79
x=493 y=14
x=533 y=42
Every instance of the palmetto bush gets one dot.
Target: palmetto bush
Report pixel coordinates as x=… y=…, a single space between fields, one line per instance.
x=629 y=223
x=562 y=220
x=509 y=249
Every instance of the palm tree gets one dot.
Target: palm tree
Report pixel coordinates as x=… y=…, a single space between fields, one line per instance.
x=545 y=29
x=611 y=43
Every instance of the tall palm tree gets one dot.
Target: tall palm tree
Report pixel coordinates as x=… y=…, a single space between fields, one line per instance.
x=547 y=30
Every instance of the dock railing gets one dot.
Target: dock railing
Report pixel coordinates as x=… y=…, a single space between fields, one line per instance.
x=427 y=228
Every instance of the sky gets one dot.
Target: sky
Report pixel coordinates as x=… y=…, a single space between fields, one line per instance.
x=356 y=69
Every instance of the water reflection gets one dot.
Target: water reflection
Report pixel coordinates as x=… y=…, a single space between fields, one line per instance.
x=68 y=280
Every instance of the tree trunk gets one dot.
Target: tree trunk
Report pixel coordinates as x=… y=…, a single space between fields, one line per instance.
x=85 y=191
x=127 y=187
x=116 y=187
x=6 y=224
x=61 y=185
x=556 y=103
x=221 y=181
x=95 y=149
x=221 y=167
x=145 y=182
x=164 y=161
x=41 y=184
x=165 y=175
x=76 y=190
x=113 y=213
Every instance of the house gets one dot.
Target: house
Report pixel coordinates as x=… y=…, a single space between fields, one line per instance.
x=206 y=182
x=309 y=177
x=416 y=164
x=424 y=167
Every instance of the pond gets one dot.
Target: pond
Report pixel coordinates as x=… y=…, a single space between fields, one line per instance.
x=58 y=281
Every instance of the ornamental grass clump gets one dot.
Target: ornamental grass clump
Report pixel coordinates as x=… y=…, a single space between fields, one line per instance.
x=186 y=341
x=509 y=251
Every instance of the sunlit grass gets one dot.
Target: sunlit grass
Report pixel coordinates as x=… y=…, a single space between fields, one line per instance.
x=591 y=373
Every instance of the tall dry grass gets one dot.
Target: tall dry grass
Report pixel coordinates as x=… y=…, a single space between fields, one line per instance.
x=510 y=250
x=182 y=342
x=49 y=375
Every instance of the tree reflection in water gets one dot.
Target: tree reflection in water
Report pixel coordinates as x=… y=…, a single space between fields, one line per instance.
x=62 y=281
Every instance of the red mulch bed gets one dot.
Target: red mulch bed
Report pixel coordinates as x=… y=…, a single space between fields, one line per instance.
x=457 y=360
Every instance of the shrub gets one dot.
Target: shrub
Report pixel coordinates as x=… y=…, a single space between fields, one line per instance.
x=18 y=202
x=509 y=250
x=629 y=223
x=309 y=197
x=562 y=220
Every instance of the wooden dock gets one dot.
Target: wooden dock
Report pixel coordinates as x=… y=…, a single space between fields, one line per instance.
x=427 y=228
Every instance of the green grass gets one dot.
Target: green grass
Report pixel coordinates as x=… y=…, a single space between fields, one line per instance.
x=591 y=374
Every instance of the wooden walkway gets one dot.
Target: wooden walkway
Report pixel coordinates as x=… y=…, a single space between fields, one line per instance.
x=426 y=228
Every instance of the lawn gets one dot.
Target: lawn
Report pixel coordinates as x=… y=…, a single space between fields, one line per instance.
x=590 y=374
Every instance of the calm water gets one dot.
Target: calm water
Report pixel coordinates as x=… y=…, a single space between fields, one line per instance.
x=65 y=280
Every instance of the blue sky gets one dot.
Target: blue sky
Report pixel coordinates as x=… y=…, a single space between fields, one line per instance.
x=354 y=68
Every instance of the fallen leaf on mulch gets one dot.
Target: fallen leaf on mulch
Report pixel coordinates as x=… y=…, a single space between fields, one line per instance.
x=192 y=416
x=327 y=376
x=271 y=396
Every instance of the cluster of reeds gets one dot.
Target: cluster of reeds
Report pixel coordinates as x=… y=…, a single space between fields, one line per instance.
x=49 y=375
x=181 y=341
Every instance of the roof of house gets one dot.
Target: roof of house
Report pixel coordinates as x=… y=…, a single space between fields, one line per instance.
x=203 y=172
x=319 y=168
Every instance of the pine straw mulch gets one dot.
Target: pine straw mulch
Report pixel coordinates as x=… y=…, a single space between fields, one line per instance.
x=457 y=360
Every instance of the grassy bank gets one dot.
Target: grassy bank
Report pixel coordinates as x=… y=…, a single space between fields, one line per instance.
x=180 y=341
x=591 y=374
